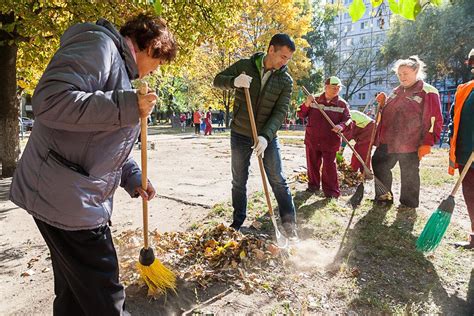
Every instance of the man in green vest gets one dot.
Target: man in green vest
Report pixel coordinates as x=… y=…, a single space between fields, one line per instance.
x=266 y=76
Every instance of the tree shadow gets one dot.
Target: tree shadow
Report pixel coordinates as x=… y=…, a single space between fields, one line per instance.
x=4 y=188
x=470 y=294
x=390 y=270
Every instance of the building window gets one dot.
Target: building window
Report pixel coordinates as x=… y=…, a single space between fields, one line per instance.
x=362 y=96
x=363 y=25
x=363 y=81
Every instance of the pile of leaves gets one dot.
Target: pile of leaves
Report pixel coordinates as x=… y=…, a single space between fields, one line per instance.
x=347 y=177
x=216 y=254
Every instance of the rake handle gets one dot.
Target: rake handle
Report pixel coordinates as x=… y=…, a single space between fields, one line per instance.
x=143 y=140
x=465 y=169
x=260 y=160
x=341 y=135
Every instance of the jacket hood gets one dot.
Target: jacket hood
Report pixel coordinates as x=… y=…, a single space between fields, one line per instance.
x=109 y=30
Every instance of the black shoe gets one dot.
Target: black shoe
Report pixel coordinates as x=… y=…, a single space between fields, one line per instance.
x=290 y=229
x=405 y=208
x=312 y=190
x=235 y=226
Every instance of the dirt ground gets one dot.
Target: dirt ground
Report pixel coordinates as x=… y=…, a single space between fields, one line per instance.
x=191 y=174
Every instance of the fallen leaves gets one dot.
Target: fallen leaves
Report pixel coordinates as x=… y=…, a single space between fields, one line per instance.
x=216 y=254
x=346 y=176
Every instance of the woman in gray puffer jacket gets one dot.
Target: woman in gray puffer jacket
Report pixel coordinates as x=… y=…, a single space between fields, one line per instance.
x=87 y=117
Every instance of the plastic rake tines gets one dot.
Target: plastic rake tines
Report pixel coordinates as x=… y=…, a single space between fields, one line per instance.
x=434 y=231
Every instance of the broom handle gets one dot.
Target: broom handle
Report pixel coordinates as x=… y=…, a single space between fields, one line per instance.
x=255 y=139
x=463 y=174
x=143 y=134
x=143 y=123
x=340 y=134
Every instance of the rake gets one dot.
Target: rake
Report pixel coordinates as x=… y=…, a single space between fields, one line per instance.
x=380 y=187
x=281 y=240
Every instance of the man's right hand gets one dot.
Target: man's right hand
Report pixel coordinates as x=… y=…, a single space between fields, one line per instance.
x=242 y=81
x=146 y=102
x=309 y=101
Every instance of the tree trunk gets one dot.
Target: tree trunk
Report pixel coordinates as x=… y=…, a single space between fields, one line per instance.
x=9 y=110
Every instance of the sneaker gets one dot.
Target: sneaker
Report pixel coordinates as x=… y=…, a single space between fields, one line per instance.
x=467 y=245
x=464 y=245
x=235 y=226
x=380 y=201
x=290 y=229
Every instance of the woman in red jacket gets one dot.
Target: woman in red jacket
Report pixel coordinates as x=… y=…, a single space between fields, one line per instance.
x=411 y=123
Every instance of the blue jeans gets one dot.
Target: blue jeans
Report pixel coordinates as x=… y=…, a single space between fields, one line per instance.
x=241 y=153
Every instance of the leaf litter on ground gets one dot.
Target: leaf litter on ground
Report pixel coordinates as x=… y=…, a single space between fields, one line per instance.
x=218 y=254
x=346 y=176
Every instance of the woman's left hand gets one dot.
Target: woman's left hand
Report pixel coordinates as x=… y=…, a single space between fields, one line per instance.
x=149 y=193
x=423 y=150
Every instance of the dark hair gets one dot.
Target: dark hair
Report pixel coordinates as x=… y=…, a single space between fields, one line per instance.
x=151 y=31
x=282 y=39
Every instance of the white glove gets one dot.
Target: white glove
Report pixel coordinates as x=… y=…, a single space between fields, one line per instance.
x=242 y=81
x=261 y=145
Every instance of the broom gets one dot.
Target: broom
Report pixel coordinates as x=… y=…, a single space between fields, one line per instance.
x=380 y=186
x=156 y=276
x=438 y=223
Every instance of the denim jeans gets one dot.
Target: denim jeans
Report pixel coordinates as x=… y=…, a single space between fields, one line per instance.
x=241 y=154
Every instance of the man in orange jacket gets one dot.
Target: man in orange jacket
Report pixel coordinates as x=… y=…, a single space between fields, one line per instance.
x=461 y=133
x=197 y=121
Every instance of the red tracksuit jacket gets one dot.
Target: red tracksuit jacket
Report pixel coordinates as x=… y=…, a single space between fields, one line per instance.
x=318 y=131
x=410 y=118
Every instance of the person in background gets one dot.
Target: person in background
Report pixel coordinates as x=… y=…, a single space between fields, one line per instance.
x=461 y=135
x=321 y=139
x=182 y=120
x=410 y=124
x=87 y=120
x=197 y=121
x=208 y=121
x=221 y=118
